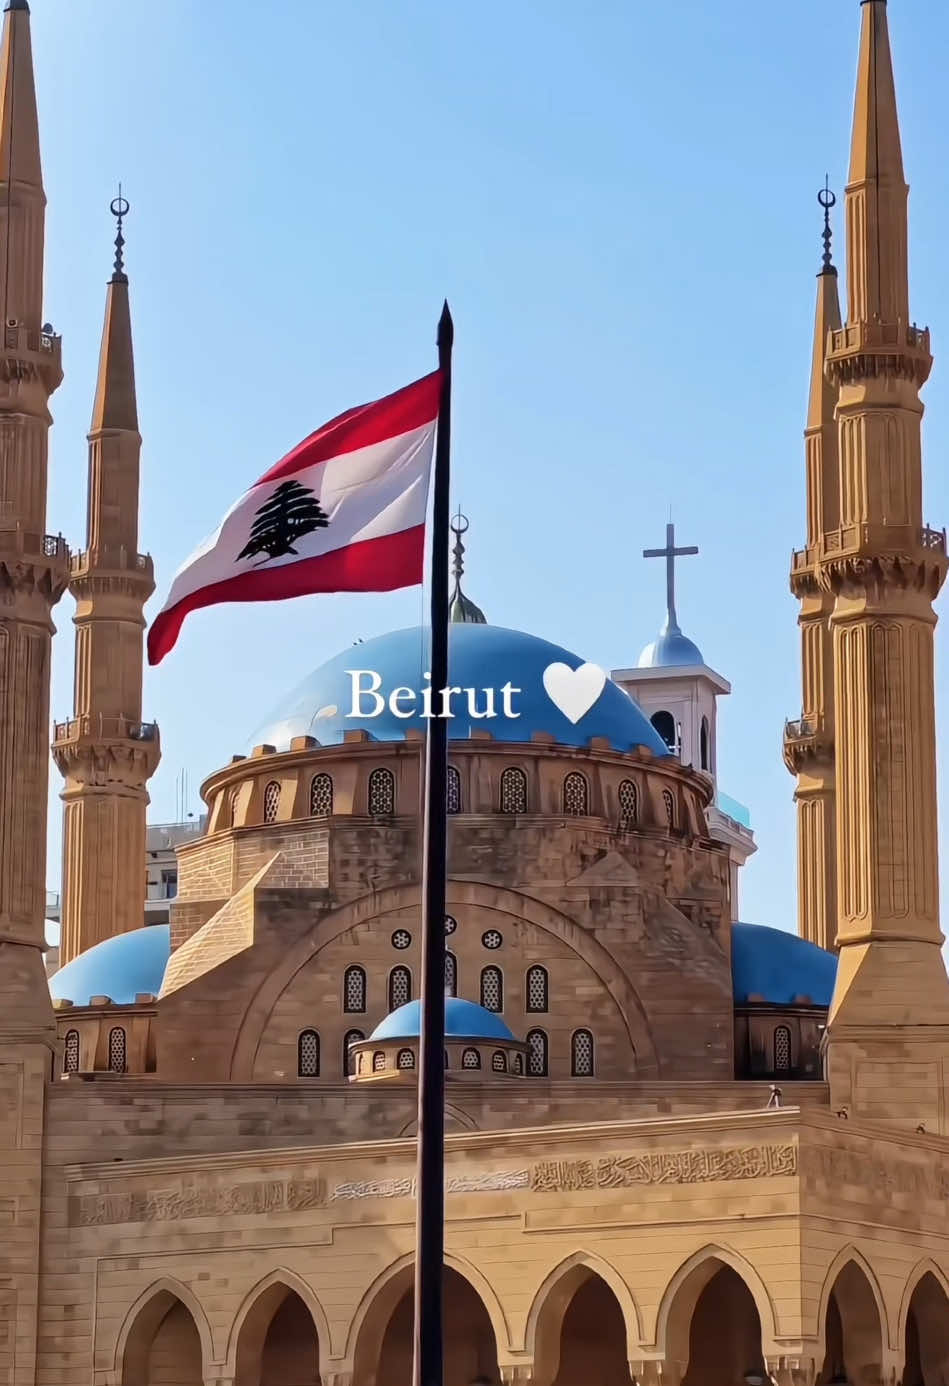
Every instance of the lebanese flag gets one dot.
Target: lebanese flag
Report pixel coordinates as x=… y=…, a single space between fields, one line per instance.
x=343 y=512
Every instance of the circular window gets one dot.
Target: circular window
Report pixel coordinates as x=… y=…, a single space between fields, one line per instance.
x=451 y=924
x=401 y=938
x=492 y=939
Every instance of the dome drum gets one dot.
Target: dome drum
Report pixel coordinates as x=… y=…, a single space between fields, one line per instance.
x=467 y=1058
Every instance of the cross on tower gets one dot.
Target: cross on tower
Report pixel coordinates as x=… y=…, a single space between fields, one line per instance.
x=670 y=553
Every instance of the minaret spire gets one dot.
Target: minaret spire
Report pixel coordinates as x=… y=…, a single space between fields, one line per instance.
x=106 y=752
x=462 y=610
x=809 y=742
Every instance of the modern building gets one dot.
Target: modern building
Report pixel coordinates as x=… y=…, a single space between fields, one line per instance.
x=681 y=1150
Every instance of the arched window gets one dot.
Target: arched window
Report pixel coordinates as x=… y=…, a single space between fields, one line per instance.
x=271 y=801
x=518 y=1064
x=536 y=989
x=581 y=1054
x=453 y=799
x=513 y=790
x=782 y=1049
x=321 y=796
x=350 y=1037
x=537 y=1054
x=405 y=1060
x=470 y=1058
x=665 y=725
x=704 y=745
x=669 y=804
x=308 y=1054
x=378 y=1061
x=71 y=1052
x=575 y=794
x=451 y=975
x=492 y=989
x=232 y=801
x=628 y=804
x=498 y=1062
x=400 y=987
x=117 y=1050
x=354 y=990
x=381 y=792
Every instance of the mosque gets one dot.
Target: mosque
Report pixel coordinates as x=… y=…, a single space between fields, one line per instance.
x=681 y=1150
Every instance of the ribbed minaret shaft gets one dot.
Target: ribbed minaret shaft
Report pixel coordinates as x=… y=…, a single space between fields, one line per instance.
x=884 y=570
x=809 y=743
x=106 y=753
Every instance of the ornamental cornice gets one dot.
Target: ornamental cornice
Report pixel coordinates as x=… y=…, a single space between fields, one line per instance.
x=874 y=350
x=807 y=742
x=99 y=751
x=32 y=565
x=853 y=575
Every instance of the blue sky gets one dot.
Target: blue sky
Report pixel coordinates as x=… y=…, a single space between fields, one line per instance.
x=619 y=202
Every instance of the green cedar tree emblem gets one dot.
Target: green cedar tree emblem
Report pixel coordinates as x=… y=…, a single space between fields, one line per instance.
x=285 y=516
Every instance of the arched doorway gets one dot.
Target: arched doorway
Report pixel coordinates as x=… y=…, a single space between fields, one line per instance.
x=384 y=1349
x=592 y=1336
x=163 y=1347
x=853 y=1332
x=927 y=1335
x=278 y=1343
x=714 y=1331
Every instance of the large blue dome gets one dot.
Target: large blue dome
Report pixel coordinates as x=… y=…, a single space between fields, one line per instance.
x=463 y=1020
x=121 y=968
x=775 y=966
x=480 y=656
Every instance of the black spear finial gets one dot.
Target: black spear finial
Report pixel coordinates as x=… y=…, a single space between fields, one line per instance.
x=119 y=208
x=827 y=200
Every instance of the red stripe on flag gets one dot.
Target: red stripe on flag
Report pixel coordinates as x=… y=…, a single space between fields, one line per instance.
x=372 y=565
x=407 y=409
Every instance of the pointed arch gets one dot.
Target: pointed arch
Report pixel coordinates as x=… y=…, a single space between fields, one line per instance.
x=391 y=1283
x=290 y=1283
x=146 y=1314
x=702 y=1265
x=922 y=1268
x=563 y=1280
x=850 y=1254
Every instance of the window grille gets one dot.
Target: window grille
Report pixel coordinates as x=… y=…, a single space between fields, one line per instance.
x=400 y=987
x=628 y=804
x=271 y=801
x=492 y=989
x=575 y=794
x=381 y=792
x=71 y=1052
x=350 y=1037
x=518 y=1064
x=378 y=1061
x=537 y=990
x=492 y=939
x=308 y=1054
x=354 y=989
x=451 y=924
x=498 y=1062
x=453 y=797
x=669 y=804
x=406 y=1059
x=471 y=1059
x=782 y=1049
x=321 y=796
x=582 y=1054
x=451 y=975
x=513 y=790
x=117 y=1050
x=537 y=1054
x=401 y=939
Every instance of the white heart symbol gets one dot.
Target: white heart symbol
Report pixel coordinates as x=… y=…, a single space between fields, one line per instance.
x=573 y=691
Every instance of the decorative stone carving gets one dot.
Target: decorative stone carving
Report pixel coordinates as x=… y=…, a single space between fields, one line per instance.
x=198 y=1200
x=665 y=1167
x=458 y=1183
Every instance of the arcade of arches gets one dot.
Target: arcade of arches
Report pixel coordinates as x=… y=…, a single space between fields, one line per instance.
x=577 y=1330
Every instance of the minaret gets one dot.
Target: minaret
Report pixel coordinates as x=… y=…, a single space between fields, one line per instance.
x=106 y=752
x=809 y=742
x=888 y=1031
x=34 y=566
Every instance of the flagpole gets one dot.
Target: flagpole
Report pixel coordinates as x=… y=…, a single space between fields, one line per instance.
x=430 y=1180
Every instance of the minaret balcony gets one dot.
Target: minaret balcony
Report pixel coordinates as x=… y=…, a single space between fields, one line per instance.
x=98 y=726
x=100 y=748
x=29 y=353
x=31 y=562
x=861 y=350
x=111 y=558
x=807 y=741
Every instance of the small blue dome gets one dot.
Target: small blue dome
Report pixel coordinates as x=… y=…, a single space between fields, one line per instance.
x=463 y=1020
x=777 y=966
x=670 y=649
x=481 y=656
x=121 y=968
